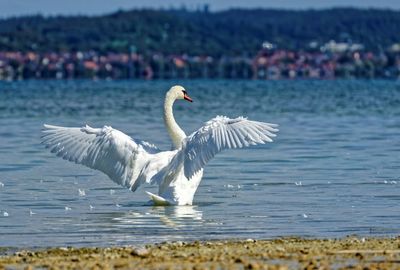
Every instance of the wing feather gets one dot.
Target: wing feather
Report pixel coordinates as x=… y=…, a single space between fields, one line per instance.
x=104 y=149
x=222 y=133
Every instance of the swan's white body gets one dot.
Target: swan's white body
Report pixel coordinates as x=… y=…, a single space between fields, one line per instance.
x=131 y=163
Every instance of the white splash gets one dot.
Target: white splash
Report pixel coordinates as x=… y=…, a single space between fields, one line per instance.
x=68 y=208
x=118 y=205
x=299 y=183
x=81 y=192
x=112 y=192
x=1 y=184
x=305 y=215
x=91 y=207
x=31 y=213
x=5 y=214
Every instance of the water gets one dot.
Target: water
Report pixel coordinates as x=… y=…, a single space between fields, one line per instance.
x=332 y=171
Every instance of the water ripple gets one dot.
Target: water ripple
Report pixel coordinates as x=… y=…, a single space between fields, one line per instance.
x=332 y=171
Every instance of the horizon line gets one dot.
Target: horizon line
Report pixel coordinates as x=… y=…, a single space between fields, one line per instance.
x=198 y=9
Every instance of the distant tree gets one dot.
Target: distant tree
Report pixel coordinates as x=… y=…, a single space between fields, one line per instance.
x=200 y=32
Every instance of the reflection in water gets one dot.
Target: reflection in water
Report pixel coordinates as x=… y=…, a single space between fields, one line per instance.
x=178 y=216
x=171 y=216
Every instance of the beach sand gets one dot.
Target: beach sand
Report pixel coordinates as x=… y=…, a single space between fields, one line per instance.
x=283 y=253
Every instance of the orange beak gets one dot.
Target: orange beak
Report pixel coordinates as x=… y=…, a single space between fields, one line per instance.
x=186 y=97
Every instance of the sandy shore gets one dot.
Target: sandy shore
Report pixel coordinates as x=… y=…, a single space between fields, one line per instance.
x=285 y=253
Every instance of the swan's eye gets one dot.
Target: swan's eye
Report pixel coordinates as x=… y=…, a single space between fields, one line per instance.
x=184 y=92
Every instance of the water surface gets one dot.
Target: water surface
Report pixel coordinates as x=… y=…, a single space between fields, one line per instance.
x=332 y=171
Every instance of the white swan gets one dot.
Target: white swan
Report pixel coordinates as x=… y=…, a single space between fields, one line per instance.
x=131 y=163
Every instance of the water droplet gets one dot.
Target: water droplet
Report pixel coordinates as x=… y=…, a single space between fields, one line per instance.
x=1 y=184
x=31 y=212
x=298 y=183
x=112 y=191
x=68 y=208
x=91 y=207
x=82 y=192
x=305 y=215
x=5 y=214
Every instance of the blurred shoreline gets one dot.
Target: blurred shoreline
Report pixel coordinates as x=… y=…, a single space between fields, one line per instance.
x=265 y=65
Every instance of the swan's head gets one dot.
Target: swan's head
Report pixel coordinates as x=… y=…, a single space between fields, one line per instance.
x=178 y=92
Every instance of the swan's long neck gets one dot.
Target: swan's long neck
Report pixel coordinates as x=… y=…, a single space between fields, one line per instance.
x=174 y=131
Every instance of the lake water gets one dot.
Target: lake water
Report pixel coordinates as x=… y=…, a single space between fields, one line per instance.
x=333 y=170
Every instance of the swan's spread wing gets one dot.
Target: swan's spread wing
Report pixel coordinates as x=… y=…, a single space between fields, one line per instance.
x=104 y=149
x=223 y=133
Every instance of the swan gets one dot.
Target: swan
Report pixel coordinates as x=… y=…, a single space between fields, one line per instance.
x=131 y=163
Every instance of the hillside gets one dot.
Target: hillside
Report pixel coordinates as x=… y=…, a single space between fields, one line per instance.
x=194 y=32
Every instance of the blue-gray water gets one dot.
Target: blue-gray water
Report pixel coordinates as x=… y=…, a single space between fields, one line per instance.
x=332 y=171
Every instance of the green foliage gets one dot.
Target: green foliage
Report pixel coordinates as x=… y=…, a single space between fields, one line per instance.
x=231 y=32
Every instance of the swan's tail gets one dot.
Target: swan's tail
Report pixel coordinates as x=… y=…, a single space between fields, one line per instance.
x=158 y=200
